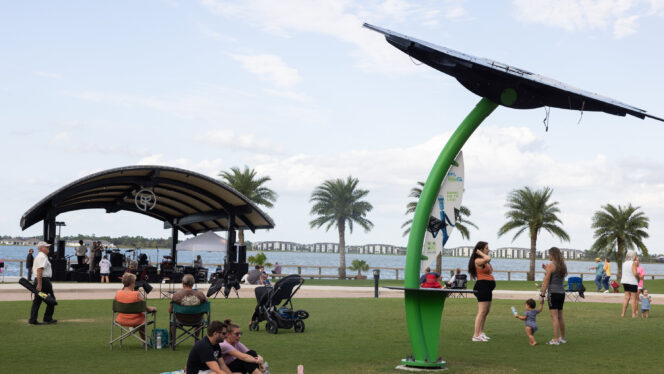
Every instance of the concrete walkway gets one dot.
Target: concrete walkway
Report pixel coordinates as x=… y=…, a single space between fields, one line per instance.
x=10 y=290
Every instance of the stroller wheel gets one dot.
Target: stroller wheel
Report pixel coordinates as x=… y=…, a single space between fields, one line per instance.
x=254 y=326
x=299 y=325
x=302 y=314
x=271 y=327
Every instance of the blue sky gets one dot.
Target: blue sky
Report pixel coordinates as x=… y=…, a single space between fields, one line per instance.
x=302 y=93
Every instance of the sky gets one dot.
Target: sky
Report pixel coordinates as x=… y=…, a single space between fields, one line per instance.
x=302 y=93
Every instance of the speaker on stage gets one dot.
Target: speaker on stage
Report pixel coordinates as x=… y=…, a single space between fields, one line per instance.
x=59 y=267
x=232 y=254
x=240 y=269
x=242 y=254
x=61 y=249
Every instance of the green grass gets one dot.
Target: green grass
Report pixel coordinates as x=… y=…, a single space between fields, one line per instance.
x=654 y=286
x=343 y=336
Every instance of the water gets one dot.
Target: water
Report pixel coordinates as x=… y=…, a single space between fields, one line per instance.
x=332 y=259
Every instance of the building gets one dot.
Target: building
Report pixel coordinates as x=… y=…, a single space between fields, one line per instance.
x=329 y=248
x=277 y=246
x=568 y=254
x=512 y=252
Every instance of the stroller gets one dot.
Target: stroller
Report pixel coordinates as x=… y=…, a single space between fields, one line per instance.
x=268 y=309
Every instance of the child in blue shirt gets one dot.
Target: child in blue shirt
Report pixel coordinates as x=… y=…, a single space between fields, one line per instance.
x=529 y=316
x=645 y=304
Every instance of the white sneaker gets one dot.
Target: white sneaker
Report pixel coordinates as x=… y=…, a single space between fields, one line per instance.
x=562 y=341
x=483 y=335
x=553 y=342
x=606 y=291
x=478 y=338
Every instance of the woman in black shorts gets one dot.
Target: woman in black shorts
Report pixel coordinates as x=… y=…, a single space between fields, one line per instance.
x=556 y=271
x=480 y=269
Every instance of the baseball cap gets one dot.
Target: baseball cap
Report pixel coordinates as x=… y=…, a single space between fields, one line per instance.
x=43 y=244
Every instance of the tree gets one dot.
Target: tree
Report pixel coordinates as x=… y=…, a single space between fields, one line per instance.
x=619 y=229
x=246 y=182
x=360 y=266
x=336 y=203
x=259 y=259
x=461 y=224
x=531 y=210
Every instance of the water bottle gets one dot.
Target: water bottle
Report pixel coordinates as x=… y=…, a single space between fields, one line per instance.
x=158 y=340
x=514 y=311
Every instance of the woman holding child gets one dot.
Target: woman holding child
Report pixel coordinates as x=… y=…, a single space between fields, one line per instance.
x=556 y=271
x=480 y=269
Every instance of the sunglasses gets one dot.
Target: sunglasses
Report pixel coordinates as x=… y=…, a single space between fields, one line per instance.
x=239 y=333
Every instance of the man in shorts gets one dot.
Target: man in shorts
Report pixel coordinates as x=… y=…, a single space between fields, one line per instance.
x=205 y=355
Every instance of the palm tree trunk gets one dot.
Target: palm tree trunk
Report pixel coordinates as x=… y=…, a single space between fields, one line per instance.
x=342 y=248
x=439 y=263
x=533 y=253
x=240 y=236
x=620 y=257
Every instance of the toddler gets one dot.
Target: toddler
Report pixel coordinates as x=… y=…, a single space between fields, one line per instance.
x=645 y=304
x=529 y=316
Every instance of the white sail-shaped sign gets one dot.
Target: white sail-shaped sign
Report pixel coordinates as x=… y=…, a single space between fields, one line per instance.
x=444 y=213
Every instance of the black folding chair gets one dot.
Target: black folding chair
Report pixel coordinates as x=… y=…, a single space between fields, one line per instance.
x=459 y=284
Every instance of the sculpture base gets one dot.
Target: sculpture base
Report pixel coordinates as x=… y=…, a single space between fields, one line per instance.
x=408 y=364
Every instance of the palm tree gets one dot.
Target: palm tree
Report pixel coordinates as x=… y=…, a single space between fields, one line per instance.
x=246 y=183
x=619 y=229
x=259 y=259
x=461 y=224
x=531 y=210
x=337 y=202
x=360 y=266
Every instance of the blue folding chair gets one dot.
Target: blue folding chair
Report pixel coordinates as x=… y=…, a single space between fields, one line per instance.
x=574 y=288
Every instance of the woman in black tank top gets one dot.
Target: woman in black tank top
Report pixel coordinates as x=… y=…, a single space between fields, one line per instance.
x=556 y=271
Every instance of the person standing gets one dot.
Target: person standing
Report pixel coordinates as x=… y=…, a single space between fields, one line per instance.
x=95 y=250
x=42 y=271
x=80 y=252
x=630 y=283
x=556 y=271
x=607 y=274
x=104 y=269
x=479 y=268
x=28 y=263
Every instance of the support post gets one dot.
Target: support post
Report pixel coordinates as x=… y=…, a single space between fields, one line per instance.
x=423 y=314
x=174 y=243
x=230 y=242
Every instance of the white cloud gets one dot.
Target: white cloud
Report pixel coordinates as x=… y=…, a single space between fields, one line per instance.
x=206 y=167
x=582 y=15
x=211 y=33
x=271 y=68
x=230 y=139
x=339 y=19
x=47 y=74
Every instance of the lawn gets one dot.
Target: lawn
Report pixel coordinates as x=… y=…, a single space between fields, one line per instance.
x=343 y=336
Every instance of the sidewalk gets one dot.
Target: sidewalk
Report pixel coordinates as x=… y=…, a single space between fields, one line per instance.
x=10 y=290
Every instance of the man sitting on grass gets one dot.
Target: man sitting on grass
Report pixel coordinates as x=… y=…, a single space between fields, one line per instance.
x=205 y=355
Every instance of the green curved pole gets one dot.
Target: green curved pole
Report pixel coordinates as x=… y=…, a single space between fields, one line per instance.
x=424 y=309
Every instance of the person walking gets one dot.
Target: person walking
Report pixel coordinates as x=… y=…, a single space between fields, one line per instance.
x=630 y=282
x=28 y=263
x=42 y=271
x=104 y=269
x=607 y=274
x=480 y=269
x=556 y=271
x=599 y=268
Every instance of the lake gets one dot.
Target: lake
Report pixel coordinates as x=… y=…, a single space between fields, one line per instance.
x=332 y=259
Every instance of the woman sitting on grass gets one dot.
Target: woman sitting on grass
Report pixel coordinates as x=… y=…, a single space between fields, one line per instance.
x=127 y=295
x=236 y=355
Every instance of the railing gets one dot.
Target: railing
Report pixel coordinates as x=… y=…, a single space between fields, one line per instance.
x=318 y=272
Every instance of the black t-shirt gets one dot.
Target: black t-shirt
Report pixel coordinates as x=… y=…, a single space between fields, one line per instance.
x=202 y=352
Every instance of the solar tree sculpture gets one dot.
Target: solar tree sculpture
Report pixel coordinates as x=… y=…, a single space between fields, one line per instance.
x=496 y=84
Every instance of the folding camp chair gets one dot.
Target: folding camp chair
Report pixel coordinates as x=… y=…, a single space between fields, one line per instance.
x=574 y=288
x=127 y=331
x=459 y=284
x=188 y=329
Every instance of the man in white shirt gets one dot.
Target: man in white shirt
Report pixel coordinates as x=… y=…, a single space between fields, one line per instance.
x=80 y=252
x=41 y=270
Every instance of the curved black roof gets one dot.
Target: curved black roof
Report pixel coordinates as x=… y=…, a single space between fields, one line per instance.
x=191 y=201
